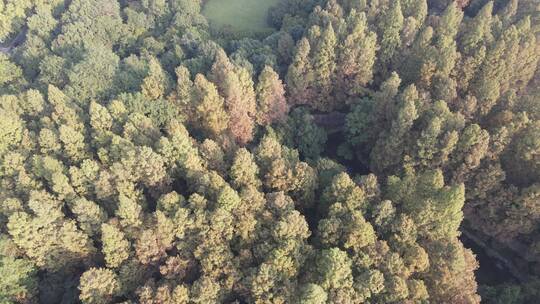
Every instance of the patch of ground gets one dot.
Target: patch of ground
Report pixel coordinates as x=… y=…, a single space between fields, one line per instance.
x=241 y=16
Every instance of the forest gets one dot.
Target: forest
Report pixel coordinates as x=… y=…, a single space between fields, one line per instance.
x=270 y=152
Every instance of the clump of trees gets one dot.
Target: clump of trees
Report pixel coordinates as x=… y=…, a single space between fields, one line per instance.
x=145 y=160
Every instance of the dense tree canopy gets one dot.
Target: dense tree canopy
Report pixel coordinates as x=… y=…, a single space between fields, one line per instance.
x=148 y=157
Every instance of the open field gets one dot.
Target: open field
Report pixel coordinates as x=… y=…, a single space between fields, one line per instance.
x=239 y=15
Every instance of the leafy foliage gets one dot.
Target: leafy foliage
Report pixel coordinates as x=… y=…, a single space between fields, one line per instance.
x=147 y=158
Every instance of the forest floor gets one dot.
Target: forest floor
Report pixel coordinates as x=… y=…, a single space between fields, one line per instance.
x=239 y=15
x=7 y=47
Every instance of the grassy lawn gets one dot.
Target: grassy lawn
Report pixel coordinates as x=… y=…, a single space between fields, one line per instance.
x=239 y=15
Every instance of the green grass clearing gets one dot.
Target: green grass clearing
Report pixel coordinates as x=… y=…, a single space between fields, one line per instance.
x=239 y=15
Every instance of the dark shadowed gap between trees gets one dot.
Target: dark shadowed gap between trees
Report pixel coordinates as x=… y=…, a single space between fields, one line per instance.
x=334 y=124
x=18 y=40
x=491 y=271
